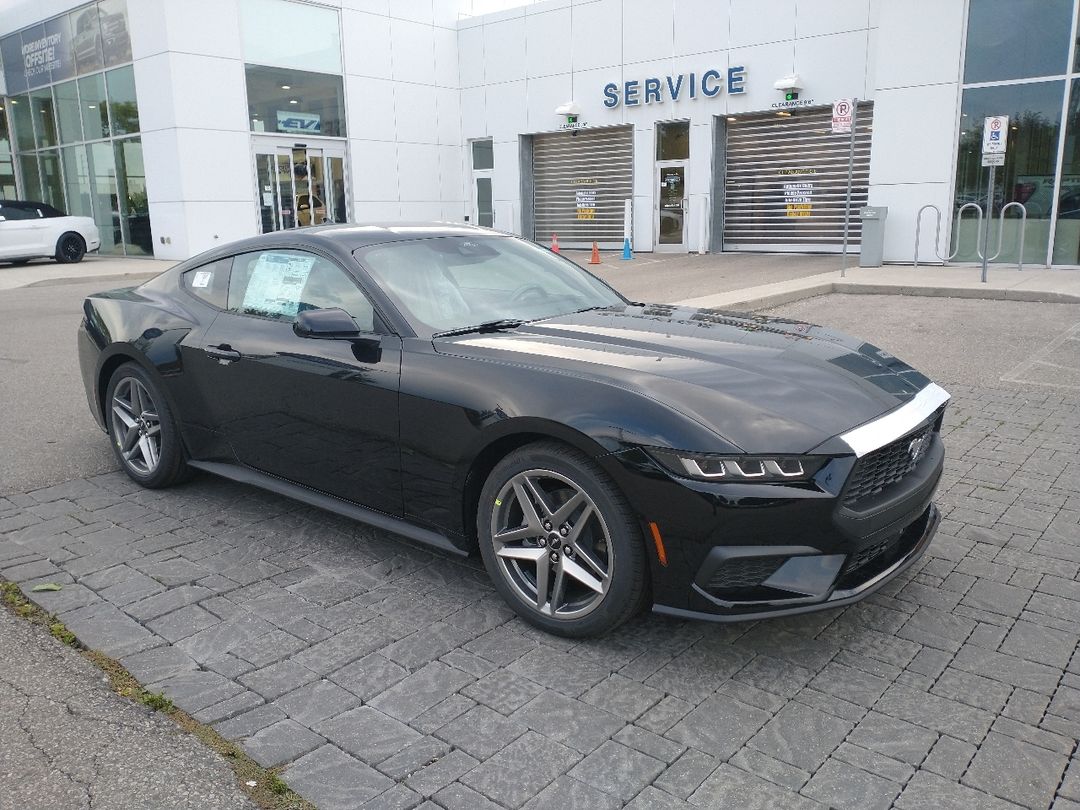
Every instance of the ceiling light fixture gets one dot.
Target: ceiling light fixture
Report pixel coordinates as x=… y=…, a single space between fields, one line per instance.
x=293 y=101
x=286 y=87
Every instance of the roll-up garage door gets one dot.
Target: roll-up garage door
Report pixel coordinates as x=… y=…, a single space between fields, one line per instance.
x=786 y=181
x=580 y=185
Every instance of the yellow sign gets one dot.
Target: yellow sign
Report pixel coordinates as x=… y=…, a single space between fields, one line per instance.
x=798 y=209
x=586 y=213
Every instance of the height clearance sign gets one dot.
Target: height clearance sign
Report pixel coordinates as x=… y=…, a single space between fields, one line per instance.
x=995 y=138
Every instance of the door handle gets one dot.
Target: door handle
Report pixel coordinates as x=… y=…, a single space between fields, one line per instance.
x=223 y=352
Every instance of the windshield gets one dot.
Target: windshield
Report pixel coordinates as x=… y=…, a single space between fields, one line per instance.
x=452 y=282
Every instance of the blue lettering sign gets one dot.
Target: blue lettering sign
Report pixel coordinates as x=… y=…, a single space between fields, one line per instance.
x=674 y=88
x=736 y=77
x=652 y=91
x=611 y=95
x=681 y=85
x=705 y=78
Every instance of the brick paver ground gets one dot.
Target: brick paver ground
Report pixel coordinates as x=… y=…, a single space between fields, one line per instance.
x=379 y=672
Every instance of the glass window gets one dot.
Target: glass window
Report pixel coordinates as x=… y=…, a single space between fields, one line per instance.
x=10 y=212
x=13 y=65
x=295 y=101
x=86 y=39
x=52 y=181
x=23 y=119
x=209 y=283
x=287 y=34
x=103 y=191
x=58 y=38
x=1017 y=39
x=31 y=179
x=123 y=110
x=1034 y=112
x=485 y=213
x=1067 y=234
x=7 y=157
x=673 y=140
x=483 y=155
x=77 y=180
x=95 y=114
x=135 y=211
x=68 y=114
x=41 y=103
x=115 y=42
x=280 y=283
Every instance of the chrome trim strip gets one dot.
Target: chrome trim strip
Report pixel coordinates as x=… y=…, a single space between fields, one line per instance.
x=891 y=426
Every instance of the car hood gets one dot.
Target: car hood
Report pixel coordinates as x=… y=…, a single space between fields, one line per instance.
x=764 y=384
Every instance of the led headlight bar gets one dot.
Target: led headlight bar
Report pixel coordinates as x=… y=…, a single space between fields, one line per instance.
x=740 y=469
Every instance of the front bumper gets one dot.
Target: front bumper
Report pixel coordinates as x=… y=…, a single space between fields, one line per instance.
x=921 y=533
x=737 y=551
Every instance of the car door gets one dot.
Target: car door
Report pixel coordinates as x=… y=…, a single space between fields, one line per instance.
x=21 y=231
x=316 y=411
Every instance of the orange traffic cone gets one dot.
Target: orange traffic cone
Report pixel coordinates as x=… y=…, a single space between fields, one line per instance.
x=554 y=242
x=595 y=258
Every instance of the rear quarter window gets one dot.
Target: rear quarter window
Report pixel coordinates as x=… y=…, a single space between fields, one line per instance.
x=210 y=282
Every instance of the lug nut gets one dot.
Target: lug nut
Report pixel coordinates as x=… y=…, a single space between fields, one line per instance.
x=541 y=541
x=568 y=551
x=564 y=531
x=554 y=556
x=547 y=525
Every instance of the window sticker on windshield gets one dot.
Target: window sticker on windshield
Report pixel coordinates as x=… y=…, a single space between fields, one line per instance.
x=202 y=279
x=277 y=280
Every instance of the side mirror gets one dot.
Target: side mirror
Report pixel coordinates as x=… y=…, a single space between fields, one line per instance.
x=325 y=323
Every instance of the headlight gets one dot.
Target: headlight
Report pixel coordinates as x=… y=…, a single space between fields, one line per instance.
x=740 y=469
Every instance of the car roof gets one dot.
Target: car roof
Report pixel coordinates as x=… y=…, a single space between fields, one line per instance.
x=349 y=237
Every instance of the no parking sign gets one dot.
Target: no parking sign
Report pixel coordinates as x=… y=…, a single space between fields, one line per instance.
x=995 y=138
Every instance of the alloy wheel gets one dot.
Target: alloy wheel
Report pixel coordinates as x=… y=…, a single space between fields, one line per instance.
x=552 y=544
x=71 y=249
x=136 y=426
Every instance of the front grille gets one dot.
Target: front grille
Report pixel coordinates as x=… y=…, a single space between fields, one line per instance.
x=744 y=572
x=877 y=471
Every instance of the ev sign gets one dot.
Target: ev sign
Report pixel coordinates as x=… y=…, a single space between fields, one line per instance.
x=995 y=137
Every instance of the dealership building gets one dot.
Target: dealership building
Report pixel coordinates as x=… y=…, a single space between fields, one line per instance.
x=690 y=125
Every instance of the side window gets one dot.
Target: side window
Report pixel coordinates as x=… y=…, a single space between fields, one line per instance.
x=281 y=283
x=209 y=283
x=11 y=213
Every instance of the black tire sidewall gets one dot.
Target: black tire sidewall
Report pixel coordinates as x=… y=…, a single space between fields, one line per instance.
x=625 y=594
x=172 y=463
x=60 y=257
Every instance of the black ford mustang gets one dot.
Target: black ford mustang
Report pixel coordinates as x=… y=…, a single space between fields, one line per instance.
x=469 y=389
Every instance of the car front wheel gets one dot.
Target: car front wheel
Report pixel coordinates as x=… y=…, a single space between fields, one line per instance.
x=70 y=248
x=143 y=432
x=560 y=542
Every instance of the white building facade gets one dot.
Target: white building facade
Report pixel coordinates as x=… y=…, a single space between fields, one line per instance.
x=690 y=125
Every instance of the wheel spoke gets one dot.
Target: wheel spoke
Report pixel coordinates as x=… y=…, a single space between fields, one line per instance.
x=558 y=590
x=120 y=409
x=135 y=392
x=532 y=554
x=581 y=575
x=149 y=452
x=543 y=569
x=563 y=513
x=131 y=438
x=536 y=497
x=528 y=505
x=153 y=430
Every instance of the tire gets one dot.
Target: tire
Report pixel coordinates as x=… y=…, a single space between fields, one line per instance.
x=593 y=551
x=70 y=248
x=142 y=430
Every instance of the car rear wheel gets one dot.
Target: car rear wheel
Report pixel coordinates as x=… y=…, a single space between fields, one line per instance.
x=70 y=248
x=143 y=432
x=560 y=542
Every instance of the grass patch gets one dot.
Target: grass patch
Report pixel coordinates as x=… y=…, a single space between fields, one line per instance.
x=269 y=791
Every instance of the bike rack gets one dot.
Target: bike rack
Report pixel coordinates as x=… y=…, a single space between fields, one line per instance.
x=978 y=231
x=1001 y=232
x=937 y=231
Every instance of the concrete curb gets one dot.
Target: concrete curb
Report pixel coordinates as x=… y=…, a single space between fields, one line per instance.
x=747 y=299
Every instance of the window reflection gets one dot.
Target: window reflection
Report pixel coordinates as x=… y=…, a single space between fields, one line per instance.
x=1017 y=39
x=1067 y=233
x=295 y=101
x=1034 y=112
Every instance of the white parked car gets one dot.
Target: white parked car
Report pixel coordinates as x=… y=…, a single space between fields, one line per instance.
x=32 y=230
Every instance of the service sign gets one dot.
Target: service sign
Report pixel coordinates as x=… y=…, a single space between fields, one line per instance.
x=995 y=134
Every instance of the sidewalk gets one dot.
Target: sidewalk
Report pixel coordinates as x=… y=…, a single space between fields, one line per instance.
x=118 y=270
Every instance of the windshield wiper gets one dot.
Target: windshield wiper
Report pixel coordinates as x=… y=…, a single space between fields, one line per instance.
x=486 y=326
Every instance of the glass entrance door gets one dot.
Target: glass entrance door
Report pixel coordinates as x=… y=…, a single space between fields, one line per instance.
x=299 y=185
x=671 y=207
